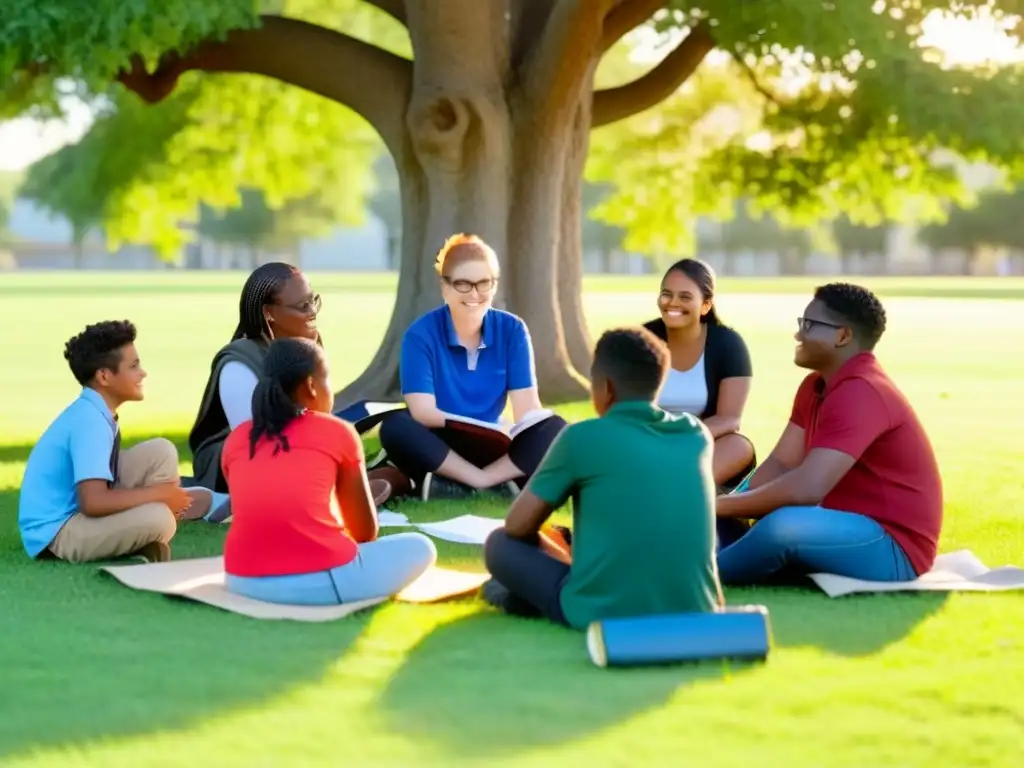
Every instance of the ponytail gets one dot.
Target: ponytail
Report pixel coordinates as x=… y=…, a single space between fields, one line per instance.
x=272 y=410
x=289 y=363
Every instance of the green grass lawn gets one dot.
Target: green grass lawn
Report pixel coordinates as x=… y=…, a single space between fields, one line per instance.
x=92 y=673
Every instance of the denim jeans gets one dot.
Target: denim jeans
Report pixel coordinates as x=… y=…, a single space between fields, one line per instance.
x=802 y=540
x=382 y=568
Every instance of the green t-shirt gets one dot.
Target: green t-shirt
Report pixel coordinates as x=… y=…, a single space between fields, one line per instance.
x=643 y=513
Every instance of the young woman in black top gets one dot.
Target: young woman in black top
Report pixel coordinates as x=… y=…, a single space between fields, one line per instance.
x=711 y=370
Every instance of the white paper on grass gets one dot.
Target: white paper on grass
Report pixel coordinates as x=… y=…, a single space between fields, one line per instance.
x=467 y=529
x=388 y=519
x=957 y=571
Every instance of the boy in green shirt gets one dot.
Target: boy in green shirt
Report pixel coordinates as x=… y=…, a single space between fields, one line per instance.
x=643 y=505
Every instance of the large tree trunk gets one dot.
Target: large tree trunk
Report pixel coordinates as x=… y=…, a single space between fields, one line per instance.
x=488 y=127
x=570 y=249
x=479 y=158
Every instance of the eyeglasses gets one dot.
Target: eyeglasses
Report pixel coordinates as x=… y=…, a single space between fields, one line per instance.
x=309 y=306
x=465 y=286
x=805 y=324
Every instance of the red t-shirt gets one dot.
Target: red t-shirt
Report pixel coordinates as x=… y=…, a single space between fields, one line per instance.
x=895 y=480
x=285 y=516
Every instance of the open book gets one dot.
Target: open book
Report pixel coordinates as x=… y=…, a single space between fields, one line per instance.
x=508 y=429
x=483 y=442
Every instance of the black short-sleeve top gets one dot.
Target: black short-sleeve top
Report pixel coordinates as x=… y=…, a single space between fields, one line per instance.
x=725 y=356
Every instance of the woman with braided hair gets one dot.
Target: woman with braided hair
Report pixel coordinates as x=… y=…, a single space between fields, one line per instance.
x=276 y=303
x=304 y=530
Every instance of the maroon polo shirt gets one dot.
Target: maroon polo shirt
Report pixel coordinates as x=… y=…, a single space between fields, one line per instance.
x=895 y=480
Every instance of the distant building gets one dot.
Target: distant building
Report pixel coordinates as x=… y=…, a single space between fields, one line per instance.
x=40 y=240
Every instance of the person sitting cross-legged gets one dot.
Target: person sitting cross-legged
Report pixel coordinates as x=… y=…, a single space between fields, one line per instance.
x=711 y=372
x=304 y=530
x=852 y=487
x=466 y=360
x=83 y=498
x=643 y=538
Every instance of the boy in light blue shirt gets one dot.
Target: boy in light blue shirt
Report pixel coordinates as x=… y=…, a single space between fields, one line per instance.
x=83 y=498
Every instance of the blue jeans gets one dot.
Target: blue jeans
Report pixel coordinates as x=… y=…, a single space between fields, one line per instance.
x=802 y=540
x=382 y=568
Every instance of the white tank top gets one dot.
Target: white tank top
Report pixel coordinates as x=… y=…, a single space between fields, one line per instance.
x=685 y=391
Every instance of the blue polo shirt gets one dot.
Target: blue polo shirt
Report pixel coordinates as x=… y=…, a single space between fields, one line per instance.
x=74 y=448
x=464 y=383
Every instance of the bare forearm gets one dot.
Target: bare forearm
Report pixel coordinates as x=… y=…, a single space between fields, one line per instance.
x=111 y=501
x=791 y=489
x=770 y=469
x=358 y=512
x=527 y=515
x=433 y=418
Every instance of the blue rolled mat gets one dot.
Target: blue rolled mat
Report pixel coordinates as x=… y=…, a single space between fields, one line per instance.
x=740 y=632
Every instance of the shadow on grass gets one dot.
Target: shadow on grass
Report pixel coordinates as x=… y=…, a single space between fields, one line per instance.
x=490 y=684
x=856 y=625
x=466 y=682
x=85 y=659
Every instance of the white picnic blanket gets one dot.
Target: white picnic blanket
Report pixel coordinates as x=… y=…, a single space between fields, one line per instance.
x=958 y=571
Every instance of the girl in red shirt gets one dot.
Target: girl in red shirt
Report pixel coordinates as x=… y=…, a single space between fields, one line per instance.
x=304 y=527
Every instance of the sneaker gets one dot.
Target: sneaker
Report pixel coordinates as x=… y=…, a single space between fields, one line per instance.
x=507 y=490
x=437 y=487
x=497 y=595
x=400 y=484
x=381 y=490
x=494 y=593
x=221 y=515
x=155 y=552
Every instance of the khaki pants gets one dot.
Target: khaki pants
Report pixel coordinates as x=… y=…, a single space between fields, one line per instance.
x=86 y=538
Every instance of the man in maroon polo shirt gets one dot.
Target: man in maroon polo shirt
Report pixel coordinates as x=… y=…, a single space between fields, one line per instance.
x=852 y=487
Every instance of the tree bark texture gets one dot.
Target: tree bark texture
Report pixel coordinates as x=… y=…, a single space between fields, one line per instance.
x=488 y=126
x=494 y=155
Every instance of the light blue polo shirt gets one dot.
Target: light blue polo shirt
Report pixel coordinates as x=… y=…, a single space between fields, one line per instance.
x=471 y=384
x=74 y=448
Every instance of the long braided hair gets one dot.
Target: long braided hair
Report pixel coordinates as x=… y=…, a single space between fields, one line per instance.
x=289 y=363
x=261 y=288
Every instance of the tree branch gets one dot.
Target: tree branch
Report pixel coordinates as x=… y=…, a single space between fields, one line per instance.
x=367 y=79
x=614 y=104
x=393 y=8
x=626 y=17
x=752 y=77
x=557 y=67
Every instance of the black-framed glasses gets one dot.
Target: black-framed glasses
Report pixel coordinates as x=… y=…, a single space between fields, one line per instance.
x=309 y=306
x=805 y=324
x=465 y=286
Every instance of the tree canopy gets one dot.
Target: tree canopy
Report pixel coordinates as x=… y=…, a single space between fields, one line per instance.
x=846 y=106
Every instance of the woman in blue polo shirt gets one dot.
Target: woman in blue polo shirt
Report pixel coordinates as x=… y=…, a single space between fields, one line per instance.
x=711 y=372
x=463 y=362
